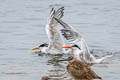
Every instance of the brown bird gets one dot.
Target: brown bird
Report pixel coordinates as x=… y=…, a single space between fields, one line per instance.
x=45 y=78
x=80 y=70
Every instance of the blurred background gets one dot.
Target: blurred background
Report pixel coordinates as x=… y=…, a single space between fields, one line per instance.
x=22 y=26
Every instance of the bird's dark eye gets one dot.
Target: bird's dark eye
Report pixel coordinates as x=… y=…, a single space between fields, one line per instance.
x=70 y=58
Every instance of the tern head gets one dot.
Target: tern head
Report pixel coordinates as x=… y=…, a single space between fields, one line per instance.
x=45 y=78
x=75 y=49
x=40 y=46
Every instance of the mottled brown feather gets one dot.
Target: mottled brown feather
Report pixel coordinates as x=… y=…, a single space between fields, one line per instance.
x=81 y=70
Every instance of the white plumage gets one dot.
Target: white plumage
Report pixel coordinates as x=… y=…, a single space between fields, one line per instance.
x=74 y=37
x=54 y=37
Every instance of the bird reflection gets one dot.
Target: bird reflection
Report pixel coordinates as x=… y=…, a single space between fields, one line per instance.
x=58 y=71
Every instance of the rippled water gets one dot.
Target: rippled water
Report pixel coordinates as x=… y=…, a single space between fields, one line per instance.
x=22 y=26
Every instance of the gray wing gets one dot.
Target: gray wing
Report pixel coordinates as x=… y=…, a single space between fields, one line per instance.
x=55 y=13
x=55 y=40
x=69 y=33
x=73 y=36
x=87 y=56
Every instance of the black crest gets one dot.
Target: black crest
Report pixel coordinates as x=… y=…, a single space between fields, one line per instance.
x=76 y=46
x=44 y=45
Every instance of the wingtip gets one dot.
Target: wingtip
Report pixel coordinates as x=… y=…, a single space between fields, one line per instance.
x=62 y=7
x=52 y=9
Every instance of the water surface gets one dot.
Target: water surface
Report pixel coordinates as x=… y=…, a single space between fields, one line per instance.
x=22 y=26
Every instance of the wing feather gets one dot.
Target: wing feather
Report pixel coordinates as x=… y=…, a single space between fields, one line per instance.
x=69 y=33
x=55 y=40
x=81 y=70
x=55 y=13
x=73 y=36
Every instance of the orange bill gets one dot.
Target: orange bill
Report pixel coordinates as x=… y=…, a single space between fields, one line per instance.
x=34 y=48
x=66 y=47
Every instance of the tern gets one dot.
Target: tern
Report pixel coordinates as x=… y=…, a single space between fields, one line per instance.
x=80 y=46
x=80 y=70
x=54 y=37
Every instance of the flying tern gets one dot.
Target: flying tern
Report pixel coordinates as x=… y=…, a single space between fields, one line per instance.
x=54 y=37
x=80 y=46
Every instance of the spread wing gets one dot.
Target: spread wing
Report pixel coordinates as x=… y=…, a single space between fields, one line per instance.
x=69 y=33
x=55 y=40
x=57 y=14
x=73 y=36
